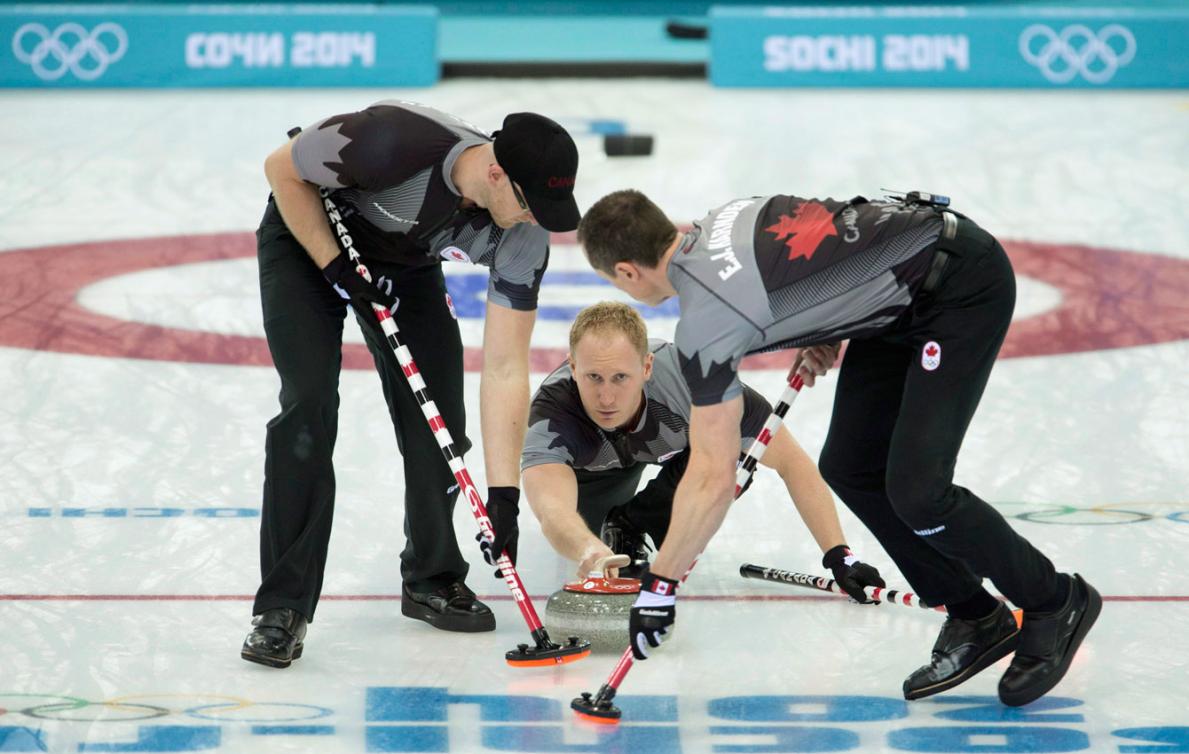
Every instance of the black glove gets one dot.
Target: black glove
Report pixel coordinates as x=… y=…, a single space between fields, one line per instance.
x=852 y=575
x=652 y=614
x=503 y=507
x=352 y=286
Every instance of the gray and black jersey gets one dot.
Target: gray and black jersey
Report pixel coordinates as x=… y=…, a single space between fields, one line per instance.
x=774 y=272
x=560 y=431
x=390 y=166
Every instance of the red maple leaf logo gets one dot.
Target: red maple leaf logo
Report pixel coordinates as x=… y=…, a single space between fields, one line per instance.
x=931 y=350
x=810 y=223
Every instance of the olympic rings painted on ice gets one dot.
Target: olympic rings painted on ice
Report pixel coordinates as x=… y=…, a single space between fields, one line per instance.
x=1095 y=515
x=319 y=712
x=122 y=709
x=108 y=712
x=53 y=53
x=1078 y=50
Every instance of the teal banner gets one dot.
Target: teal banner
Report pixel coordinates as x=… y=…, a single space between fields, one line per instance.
x=1012 y=46
x=218 y=46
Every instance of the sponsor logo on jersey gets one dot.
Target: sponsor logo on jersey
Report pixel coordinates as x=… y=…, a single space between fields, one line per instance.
x=850 y=220
x=931 y=356
x=450 y=306
x=390 y=216
x=804 y=231
x=455 y=254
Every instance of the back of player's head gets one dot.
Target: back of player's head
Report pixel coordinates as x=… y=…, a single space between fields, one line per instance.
x=625 y=226
x=608 y=317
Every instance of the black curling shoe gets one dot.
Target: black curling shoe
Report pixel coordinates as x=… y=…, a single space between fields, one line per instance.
x=449 y=608
x=964 y=647
x=277 y=639
x=1048 y=642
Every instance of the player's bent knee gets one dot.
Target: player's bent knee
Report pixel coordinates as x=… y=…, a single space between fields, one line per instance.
x=918 y=499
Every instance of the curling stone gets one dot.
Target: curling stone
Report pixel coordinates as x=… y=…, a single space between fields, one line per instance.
x=595 y=608
x=627 y=145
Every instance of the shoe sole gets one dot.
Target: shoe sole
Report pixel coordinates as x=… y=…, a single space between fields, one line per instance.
x=997 y=652
x=271 y=662
x=1093 y=608
x=417 y=611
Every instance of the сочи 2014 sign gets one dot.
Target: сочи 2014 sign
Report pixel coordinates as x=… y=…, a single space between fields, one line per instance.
x=303 y=49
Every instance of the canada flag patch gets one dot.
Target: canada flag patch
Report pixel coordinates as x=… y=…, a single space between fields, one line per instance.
x=931 y=356
x=455 y=254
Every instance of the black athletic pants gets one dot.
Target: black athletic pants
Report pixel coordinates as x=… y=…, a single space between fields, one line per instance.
x=303 y=320
x=897 y=427
x=648 y=510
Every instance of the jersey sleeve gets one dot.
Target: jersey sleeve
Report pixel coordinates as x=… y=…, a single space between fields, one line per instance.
x=519 y=264
x=711 y=341
x=542 y=445
x=756 y=410
x=555 y=432
x=371 y=149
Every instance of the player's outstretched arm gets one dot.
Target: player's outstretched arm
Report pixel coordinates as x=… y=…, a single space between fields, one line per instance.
x=706 y=489
x=552 y=491
x=806 y=487
x=814 y=502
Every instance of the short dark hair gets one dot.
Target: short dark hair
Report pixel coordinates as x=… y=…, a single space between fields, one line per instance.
x=625 y=226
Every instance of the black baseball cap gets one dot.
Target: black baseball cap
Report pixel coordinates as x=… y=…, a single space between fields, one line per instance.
x=541 y=158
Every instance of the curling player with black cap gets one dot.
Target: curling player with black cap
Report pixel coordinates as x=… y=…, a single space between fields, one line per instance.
x=409 y=186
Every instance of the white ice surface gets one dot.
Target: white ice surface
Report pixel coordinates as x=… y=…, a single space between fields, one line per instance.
x=1103 y=432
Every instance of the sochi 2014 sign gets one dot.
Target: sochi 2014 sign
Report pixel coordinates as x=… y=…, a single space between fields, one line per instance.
x=1020 y=46
x=206 y=46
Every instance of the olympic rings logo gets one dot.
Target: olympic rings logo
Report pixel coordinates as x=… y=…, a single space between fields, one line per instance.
x=1078 y=50
x=140 y=707
x=70 y=47
x=1095 y=515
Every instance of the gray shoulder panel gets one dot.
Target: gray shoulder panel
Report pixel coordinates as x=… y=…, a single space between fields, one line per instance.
x=313 y=148
x=517 y=265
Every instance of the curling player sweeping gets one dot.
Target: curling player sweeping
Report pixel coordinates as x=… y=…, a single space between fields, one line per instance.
x=365 y=207
x=926 y=297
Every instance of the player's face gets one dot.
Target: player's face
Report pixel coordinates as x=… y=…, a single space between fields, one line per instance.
x=610 y=374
